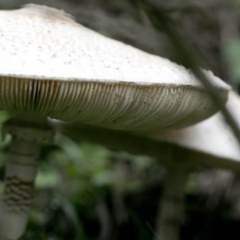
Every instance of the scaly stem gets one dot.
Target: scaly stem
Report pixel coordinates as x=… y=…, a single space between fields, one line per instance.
x=20 y=171
x=170 y=215
x=28 y=132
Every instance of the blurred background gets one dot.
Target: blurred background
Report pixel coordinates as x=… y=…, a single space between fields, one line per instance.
x=86 y=191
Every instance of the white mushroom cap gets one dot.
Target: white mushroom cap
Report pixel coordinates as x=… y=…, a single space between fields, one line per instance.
x=52 y=66
x=212 y=136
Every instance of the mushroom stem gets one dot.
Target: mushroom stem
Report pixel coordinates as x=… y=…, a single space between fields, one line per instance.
x=170 y=214
x=21 y=166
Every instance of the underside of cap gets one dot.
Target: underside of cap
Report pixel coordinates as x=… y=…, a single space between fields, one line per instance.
x=117 y=106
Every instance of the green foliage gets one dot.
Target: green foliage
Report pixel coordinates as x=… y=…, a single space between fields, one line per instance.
x=73 y=178
x=231 y=53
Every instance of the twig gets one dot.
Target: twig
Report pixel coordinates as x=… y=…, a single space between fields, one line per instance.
x=183 y=48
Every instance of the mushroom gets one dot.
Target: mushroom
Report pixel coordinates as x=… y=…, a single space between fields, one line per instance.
x=210 y=142
x=51 y=66
x=212 y=136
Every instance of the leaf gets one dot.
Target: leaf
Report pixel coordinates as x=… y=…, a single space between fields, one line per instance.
x=231 y=52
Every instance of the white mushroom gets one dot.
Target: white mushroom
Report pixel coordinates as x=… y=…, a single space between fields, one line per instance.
x=212 y=136
x=50 y=66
